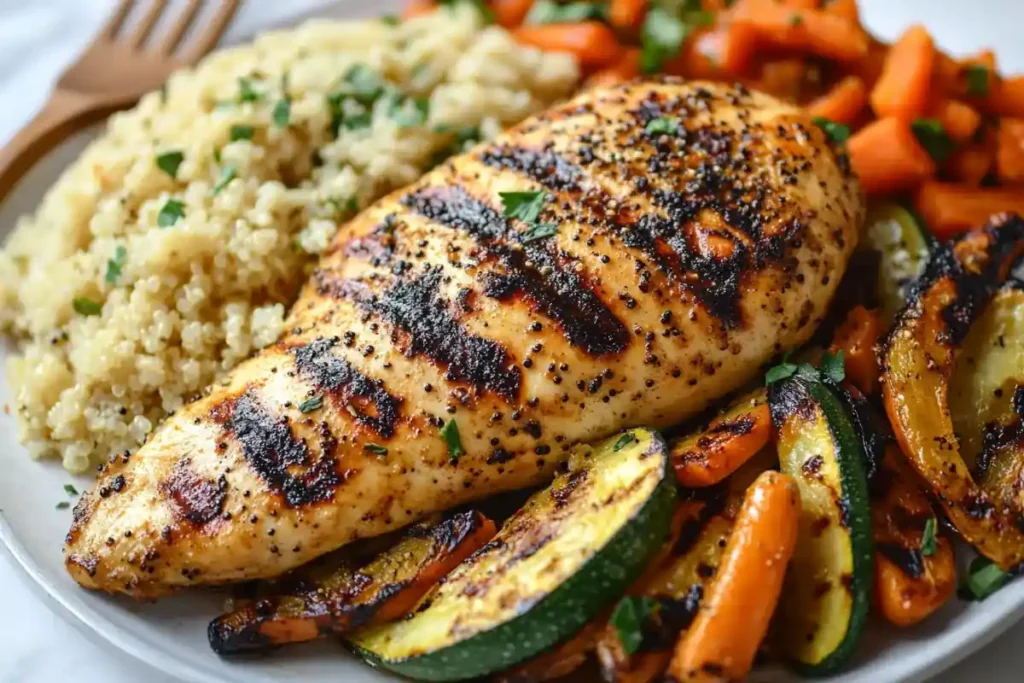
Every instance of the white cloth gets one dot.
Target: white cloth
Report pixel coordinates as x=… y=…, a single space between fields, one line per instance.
x=39 y=37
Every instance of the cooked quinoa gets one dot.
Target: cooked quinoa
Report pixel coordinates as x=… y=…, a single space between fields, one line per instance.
x=171 y=248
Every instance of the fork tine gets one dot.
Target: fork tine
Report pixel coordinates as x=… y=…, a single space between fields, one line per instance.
x=179 y=28
x=138 y=36
x=113 y=24
x=211 y=34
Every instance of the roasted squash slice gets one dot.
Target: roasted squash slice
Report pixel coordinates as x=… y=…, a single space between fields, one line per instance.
x=918 y=362
x=335 y=596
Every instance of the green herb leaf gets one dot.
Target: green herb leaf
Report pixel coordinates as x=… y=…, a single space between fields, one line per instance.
x=834 y=366
x=172 y=211
x=282 y=112
x=86 y=306
x=549 y=12
x=363 y=84
x=486 y=13
x=246 y=91
x=623 y=441
x=115 y=264
x=450 y=433
x=929 y=541
x=63 y=505
x=412 y=112
x=662 y=37
x=70 y=490
x=241 y=132
x=796 y=19
x=311 y=404
x=227 y=174
x=540 y=231
x=983 y=579
x=978 y=80
x=629 y=619
x=837 y=132
x=524 y=206
x=168 y=162
x=391 y=20
x=662 y=125
x=375 y=449
x=933 y=137
x=780 y=372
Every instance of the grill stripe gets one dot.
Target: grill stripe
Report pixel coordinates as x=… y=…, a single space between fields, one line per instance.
x=532 y=270
x=417 y=308
x=373 y=405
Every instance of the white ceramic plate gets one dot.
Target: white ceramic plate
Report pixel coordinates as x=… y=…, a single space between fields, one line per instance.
x=171 y=635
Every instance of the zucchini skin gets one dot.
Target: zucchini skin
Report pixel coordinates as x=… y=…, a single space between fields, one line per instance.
x=563 y=612
x=854 y=505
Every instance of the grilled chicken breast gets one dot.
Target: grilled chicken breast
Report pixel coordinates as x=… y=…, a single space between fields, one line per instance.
x=672 y=238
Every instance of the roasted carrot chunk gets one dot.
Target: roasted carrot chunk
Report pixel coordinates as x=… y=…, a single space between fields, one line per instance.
x=510 y=13
x=626 y=68
x=417 y=8
x=857 y=338
x=972 y=163
x=592 y=43
x=811 y=31
x=627 y=15
x=725 y=636
x=902 y=90
x=960 y=120
x=843 y=103
x=949 y=208
x=888 y=158
x=1010 y=150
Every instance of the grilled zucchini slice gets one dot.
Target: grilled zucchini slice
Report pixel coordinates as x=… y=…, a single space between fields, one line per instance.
x=825 y=601
x=571 y=551
x=903 y=243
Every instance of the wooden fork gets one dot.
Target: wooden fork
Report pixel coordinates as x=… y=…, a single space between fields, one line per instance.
x=112 y=74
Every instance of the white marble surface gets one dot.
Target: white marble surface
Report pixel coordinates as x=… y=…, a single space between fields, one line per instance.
x=37 y=37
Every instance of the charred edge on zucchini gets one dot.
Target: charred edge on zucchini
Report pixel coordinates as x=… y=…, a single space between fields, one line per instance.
x=338 y=596
x=824 y=606
x=918 y=361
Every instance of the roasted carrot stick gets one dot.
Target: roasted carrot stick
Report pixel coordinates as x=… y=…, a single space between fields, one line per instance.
x=626 y=68
x=726 y=51
x=1010 y=150
x=627 y=15
x=949 y=208
x=723 y=639
x=510 y=13
x=904 y=599
x=888 y=158
x=902 y=89
x=843 y=102
x=856 y=338
x=417 y=8
x=731 y=439
x=592 y=43
x=804 y=30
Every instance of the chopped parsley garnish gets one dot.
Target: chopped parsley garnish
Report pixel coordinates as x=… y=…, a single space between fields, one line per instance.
x=63 y=505
x=623 y=441
x=795 y=19
x=540 y=231
x=282 y=112
x=241 y=132
x=486 y=13
x=523 y=206
x=246 y=91
x=983 y=579
x=70 y=490
x=115 y=264
x=662 y=125
x=86 y=306
x=929 y=540
x=172 y=211
x=311 y=404
x=834 y=366
x=344 y=207
x=934 y=138
x=226 y=176
x=168 y=162
x=450 y=434
x=837 y=132
x=390 y=20
x=363 y=84
x=629 y=619
x=412 y=112
x=664 y=31
x=375 y=449
x=978 y=80
x=549 y=12
x=780 y=372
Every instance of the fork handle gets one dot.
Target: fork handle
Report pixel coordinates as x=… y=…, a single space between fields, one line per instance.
x=61 y=116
